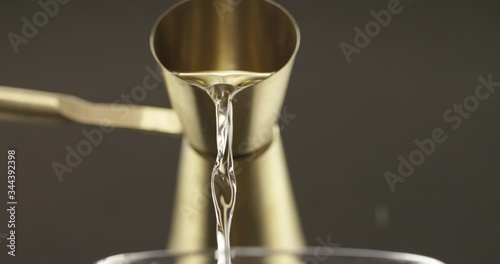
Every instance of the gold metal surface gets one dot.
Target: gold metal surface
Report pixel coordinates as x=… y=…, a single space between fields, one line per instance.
x=18 y=104
x=265 y=215
x=257 y=36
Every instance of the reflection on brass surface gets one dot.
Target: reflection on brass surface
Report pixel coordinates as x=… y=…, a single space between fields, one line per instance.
x=256 y=36
x=31 y=105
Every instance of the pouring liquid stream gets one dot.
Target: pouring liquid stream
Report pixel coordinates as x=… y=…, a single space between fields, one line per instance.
x=222 y=86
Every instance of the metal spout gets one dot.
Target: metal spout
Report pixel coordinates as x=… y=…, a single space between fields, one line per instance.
x=254 y=45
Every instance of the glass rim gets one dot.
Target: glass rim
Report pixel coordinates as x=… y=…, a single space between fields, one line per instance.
x=258 y=252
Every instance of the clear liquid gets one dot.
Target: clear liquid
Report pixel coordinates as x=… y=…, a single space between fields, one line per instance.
x=207 y=79
x=222 y=86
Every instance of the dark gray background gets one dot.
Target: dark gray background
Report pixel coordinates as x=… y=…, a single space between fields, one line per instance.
x=353 y=121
